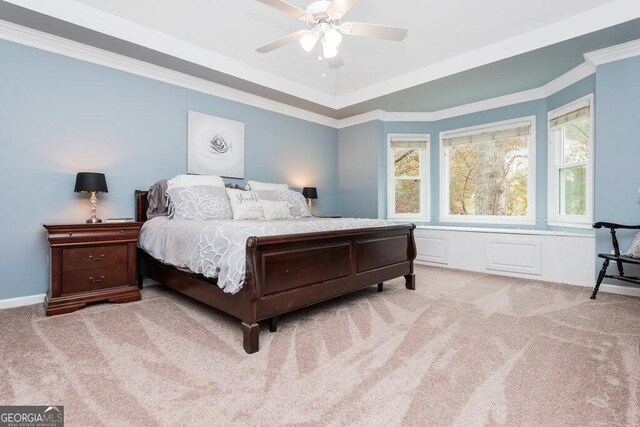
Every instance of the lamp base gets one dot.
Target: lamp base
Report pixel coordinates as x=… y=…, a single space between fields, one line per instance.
x=94 y=220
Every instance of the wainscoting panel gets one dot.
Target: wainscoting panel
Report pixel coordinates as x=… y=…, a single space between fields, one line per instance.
x=514 y=255
x=545 y=255
x=433 y=248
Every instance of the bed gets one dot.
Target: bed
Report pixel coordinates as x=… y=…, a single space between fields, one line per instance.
x=283 y=273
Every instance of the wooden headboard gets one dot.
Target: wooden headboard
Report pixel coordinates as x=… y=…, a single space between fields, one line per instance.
x=141 y=205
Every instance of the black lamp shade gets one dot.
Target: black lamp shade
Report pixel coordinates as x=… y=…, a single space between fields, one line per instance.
x=310 y=192
x=87 y=182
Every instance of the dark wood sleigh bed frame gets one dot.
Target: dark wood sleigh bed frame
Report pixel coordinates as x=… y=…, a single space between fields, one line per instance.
x=288 y=272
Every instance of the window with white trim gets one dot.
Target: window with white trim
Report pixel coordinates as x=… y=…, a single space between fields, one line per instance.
x=488 y=173
x=571 y=164
x=408 y=176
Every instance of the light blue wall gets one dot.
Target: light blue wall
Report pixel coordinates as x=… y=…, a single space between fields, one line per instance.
x=59 y=116
x=617 y=171
x=359 y=164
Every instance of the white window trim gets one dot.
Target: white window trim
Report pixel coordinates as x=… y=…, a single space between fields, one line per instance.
x=425 y=161
x=553 y=180
x=529 y=219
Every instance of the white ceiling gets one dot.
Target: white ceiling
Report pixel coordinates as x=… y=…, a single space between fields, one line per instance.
x=445 y=37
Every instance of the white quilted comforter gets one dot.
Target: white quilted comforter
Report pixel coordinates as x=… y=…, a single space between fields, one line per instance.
x=216 y=248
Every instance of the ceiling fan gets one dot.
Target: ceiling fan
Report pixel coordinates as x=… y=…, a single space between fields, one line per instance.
x=324 y=19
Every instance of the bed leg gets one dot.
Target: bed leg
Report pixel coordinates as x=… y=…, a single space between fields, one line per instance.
x=251 y=335
x=140 y=281
x=273 y=324
x=410 y=281
x=380 y=287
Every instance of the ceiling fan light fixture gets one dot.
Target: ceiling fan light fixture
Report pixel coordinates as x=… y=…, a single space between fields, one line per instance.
x=328 y=50
x=308 y=40
x=333 y=37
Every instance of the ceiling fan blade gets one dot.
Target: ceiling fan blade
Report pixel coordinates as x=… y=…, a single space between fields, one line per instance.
x=289 y=9
x=280 y=42
x=338 y=8
x=372 y=30
x=336 y=61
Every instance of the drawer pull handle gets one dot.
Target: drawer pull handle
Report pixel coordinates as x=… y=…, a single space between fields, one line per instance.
x=121 y=233
x=70 y=234
x=96 y=258
x=96 y=279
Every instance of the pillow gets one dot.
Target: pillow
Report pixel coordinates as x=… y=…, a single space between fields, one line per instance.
x=199 y=202
x=157 y=202
x=298 y=203
x=634 y=251
x=245 y=204
x=275 y=210
x=193 y=180
x=257 y=185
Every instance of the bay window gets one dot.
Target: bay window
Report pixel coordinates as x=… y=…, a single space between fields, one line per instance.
x=487 y=173
x=408 y=176
x=571 y=164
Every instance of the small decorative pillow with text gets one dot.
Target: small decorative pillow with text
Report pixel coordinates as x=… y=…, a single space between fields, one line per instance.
x=199 y=202
x=245 y=204
x=257 y=185
x=195 y=180
x=634 y=251
x=276 y=210
x=296 y=200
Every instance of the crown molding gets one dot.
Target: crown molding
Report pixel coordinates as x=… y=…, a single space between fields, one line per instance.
x=610 y=14
x=50 y=43
x=615 y=12
x=44 y=41
x=613 y=53
x=573 y=76
x=361 y=118
x=106 y=23
x=582 y=71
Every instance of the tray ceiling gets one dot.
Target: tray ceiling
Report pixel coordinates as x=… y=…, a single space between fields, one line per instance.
x=445 y=38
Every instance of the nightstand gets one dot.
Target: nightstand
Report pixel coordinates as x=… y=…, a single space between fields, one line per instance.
x=91 y=263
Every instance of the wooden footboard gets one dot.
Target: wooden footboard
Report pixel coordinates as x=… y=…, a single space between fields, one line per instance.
x=285 y=273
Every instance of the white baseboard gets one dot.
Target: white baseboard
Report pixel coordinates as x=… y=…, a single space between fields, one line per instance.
x=633 y=291
x=22 y=301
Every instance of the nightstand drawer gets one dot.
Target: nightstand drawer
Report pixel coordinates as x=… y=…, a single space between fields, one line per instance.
x=93 y=279
x=94 y=257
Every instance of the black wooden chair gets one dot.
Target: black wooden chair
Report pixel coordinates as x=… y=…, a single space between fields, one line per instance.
x=615 y=257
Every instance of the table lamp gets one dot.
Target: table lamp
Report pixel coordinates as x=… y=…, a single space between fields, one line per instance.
x=91 y=182
x=310 y=193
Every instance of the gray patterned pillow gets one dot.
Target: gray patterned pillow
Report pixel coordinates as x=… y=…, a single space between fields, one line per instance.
x=634 y=251
x=299 y=206
x=199 y=202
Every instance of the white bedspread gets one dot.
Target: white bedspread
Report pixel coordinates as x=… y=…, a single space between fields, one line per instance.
x=216 y=248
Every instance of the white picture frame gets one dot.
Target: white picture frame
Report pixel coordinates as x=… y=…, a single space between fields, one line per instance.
x=215 y=146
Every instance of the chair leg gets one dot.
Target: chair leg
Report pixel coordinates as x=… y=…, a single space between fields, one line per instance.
x=620 y=268
x=380 y=287
x=273 y=324
x=605 y=264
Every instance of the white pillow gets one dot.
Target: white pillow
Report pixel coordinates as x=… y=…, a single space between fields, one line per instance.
x=194 y=180
x=245 y=204
x=634 y=251
x=275 y=210
x=257 y=185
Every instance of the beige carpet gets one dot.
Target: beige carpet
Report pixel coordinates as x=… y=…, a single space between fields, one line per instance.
x=463 y=349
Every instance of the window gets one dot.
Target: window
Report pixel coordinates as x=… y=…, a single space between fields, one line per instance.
x=488 y=173
x=407 y=176
x=571 y=165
